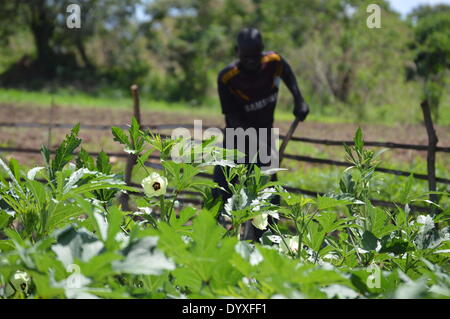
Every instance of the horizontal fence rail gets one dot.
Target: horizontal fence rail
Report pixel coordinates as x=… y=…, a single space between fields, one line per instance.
x=375 y=202
x=391 y=145
x=431 y=150
x=298 y=158
x=308 y=159
x=98 y=127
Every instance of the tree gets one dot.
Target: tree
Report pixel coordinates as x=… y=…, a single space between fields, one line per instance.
x=55 y=44
x=194 y=39
x=432 y=51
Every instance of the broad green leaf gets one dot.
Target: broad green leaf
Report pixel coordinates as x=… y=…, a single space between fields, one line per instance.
x=369 y=241
x=143 y=258
x=327 y=221
x=75 y=245
x=61 y=214
x=324 y=203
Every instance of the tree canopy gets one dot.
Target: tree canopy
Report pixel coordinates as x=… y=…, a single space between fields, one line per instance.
x=174 y=48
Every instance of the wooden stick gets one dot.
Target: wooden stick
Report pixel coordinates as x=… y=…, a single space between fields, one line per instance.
x=49 y=141
x=287 y=138
x=431 y=155
x=132 y=158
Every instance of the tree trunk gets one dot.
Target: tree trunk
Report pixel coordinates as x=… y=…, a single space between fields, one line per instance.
x=82 y=50
x=42 y=27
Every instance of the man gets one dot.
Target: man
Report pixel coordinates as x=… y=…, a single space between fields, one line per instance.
x=248 y=91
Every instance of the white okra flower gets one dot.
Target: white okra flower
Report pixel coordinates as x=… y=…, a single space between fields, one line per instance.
x=154 y=185
x=21 y=281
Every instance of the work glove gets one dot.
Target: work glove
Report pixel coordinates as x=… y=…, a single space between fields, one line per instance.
x=301 y=111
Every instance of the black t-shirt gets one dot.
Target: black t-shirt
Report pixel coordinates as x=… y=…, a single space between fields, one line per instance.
x=249 y=99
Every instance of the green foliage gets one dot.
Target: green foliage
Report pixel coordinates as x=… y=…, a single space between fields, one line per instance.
x=175 y=49
x=44 y=207
x=432 y=52
x=73 y=241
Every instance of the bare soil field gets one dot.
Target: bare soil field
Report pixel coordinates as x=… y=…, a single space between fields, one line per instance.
x=96 y=140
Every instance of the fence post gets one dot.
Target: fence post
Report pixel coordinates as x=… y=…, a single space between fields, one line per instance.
x=431 y=153
x=50 y=124
x=131 y=161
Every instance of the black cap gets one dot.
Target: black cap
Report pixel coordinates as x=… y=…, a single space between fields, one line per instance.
x=250 y=38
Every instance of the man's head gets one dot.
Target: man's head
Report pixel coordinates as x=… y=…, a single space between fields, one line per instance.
x=249 y=48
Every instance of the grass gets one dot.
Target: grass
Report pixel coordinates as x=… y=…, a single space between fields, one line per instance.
x=67 y=98
x=120 y=100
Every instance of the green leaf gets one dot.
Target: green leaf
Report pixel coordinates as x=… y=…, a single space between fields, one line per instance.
x=5 y=219
x=75 y=245
x=324 y=203
x=64 y=153
x=120 y=136
x=187 y=278
x=327 y=221
x=62 y=214
x=379 y=222
x=185 y=215
x=359 y=142
x=134 y=133
x=46 y=155
x=315 y=236
x=10 y=174
x=15 y=168
x=39 y=193
x=144 y=157
x=292 y=199
x=407 y=189
x=85 y=160
x=115 y=216
x=103 y=164
x=369 y=241
x=396 y=246
x=100 y=266
x=206 y=233
x=143 y=258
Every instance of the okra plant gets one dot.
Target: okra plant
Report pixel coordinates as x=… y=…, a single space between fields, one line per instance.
x=64 y=234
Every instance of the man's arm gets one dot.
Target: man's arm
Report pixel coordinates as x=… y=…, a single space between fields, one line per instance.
x=301 y=108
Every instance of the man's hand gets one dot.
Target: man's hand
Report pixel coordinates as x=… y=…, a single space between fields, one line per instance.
x=301 y=111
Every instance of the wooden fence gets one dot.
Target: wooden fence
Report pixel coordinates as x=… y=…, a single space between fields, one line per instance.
x=431 y=150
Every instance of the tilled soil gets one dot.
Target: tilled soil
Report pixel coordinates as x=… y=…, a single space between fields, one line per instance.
x=95 y=140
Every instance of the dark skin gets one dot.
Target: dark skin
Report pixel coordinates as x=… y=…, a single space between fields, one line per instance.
x=249 y=58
